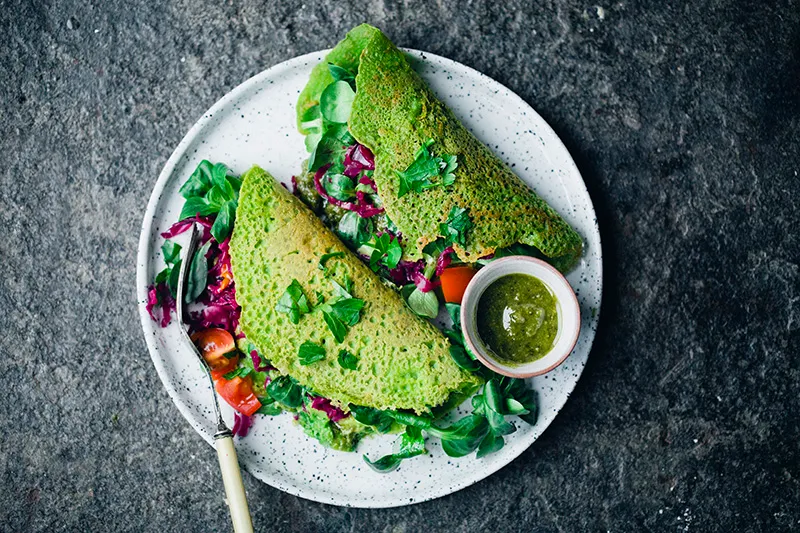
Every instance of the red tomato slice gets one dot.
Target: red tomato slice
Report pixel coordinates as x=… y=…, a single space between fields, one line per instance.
x=218 y=349
x=238 y=392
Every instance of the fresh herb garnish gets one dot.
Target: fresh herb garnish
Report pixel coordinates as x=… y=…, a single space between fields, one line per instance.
x=211 y=191
x=310 y=353
x=427 y=171
x=382 y=251
x=455 y=229
x=240 y=372
x=325 y=257
x=285 y=390
x=293 y=302
x=198 y=274
x=347 y=360
x=343 y=312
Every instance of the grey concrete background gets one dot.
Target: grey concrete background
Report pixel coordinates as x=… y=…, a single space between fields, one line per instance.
x=684 y=122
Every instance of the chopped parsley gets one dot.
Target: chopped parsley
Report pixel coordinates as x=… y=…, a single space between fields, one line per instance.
x=427 y=171
x=310 y=353
x=293 y=302
x=347 y=360
x=455 y=229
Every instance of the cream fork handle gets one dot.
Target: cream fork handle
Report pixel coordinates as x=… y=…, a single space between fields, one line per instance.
x=234 y=487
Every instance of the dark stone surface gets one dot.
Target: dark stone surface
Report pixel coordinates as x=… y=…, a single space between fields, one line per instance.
x=684 y=122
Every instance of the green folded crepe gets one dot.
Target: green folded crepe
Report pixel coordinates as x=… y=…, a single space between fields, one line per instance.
x=394 y=114
x=401 y=361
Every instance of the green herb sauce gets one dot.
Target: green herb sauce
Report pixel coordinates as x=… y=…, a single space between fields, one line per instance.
x=518 y=319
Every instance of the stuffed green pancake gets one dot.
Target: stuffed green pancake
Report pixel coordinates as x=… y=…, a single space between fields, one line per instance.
x=309 y=303
x=433 y=180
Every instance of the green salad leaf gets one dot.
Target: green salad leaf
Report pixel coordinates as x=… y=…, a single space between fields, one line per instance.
x=339 y=186
x=354 y=229
x=342 y=74
x=211 y=191
x=285 y=390
x=336 y=102
x=411 y=444
x=198 y=274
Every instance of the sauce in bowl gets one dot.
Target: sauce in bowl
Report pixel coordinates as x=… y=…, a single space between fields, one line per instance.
x=517 y=319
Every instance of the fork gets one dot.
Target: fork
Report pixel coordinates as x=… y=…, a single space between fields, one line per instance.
x=223 y=438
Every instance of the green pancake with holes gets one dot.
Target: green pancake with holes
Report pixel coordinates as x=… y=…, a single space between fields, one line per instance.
x=393 y=114
x=403 y=362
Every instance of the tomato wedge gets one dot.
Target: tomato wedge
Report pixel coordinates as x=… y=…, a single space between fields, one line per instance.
x=218 y=349
x=454 y=282
x=238 y=392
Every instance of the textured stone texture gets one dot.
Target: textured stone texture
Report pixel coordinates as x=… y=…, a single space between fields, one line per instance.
x=684 y=122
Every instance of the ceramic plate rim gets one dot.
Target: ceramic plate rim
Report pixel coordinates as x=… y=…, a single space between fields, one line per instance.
x=144 y=252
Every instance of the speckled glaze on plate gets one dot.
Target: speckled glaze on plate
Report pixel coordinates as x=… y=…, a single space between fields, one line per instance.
x=255 y=124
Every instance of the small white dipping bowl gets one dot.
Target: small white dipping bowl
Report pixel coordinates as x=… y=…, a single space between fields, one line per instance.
x=569 y=316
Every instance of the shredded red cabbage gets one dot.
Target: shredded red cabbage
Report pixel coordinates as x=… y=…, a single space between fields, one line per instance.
x=423 y=283
x=404 y=272
x=356 y=159
x=361 y=208
x=257 y=363
x=324 y=404
x=183 y=225
x=241 y=424
x=159 y=298
x=219 y=298
x=294 y=185
x=444 y=260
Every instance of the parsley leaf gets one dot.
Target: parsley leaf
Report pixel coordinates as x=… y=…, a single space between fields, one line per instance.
x=336 y=326
x=343 y=312
x=347 y=360
x=293 y=302
x=348 y=310
x=427 y=171
x=310 y=353
x=455 y=229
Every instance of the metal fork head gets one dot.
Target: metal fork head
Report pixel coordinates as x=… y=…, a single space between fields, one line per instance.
x=194 y=240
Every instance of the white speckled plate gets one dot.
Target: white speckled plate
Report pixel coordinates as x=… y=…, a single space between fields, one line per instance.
x=255 y=124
